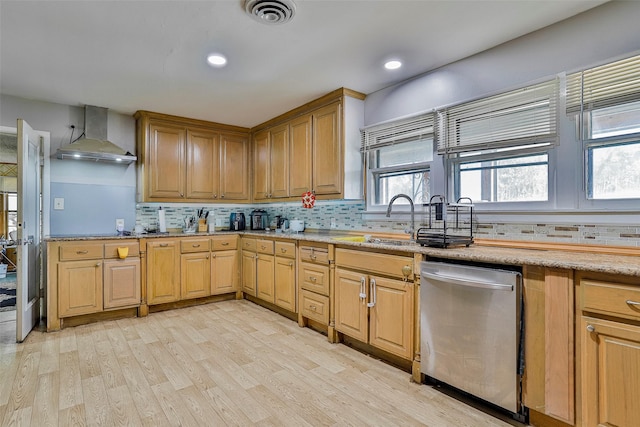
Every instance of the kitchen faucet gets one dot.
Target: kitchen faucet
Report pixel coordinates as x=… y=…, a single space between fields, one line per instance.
x=393 y=199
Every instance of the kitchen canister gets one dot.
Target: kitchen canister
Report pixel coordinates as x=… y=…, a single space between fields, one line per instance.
x=296 y=225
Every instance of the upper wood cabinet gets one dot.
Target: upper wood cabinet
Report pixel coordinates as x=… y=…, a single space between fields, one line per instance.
x=185 y=160
x=271 y=163
x=315 y=148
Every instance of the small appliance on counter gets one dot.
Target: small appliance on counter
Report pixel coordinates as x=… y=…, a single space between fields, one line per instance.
x=259 y=219
x=237 y=221
x=296 y=225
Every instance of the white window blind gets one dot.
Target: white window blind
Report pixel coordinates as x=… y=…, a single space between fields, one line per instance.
x=399 y=131
x=519 y=117
x=610 y=84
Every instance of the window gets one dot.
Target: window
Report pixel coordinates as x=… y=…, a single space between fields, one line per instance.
x=606 y=103
x=12 y=212
x=498 y=148
x=398 y=157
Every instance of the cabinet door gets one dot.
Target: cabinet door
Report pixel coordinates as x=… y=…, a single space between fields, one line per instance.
x=203 y=169
x=121 y=283
x=195 y=281
x=351 y=309
x=391 y=317
x=234 y=167
x=285 y=283
x=249 y=273
x=224 y=272
x=279 y=162
x=166 y=174
x=327 y=151
x=265 y=265
x=79 y=287
x=163 y=271
x=261 y=166
x=610 y=373
x=300 y=155
x=548 y=383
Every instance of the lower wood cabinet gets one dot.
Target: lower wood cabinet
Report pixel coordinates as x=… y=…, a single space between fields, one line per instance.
x=195 y=281
x=121 y=283
x=79 y=287
x=609 y=326
x=375 y=309
x=285 y=276
x=163 y=271
x=88 y=277
x=224 y=272
x=549 y=378
x=249 y=261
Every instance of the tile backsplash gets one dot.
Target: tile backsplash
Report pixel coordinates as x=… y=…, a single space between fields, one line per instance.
x=348 y=215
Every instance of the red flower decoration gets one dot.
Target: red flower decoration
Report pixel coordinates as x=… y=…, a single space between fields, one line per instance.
x=308 y=200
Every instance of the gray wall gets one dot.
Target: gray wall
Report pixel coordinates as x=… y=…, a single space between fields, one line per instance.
x=595 y=36
x=95 y=194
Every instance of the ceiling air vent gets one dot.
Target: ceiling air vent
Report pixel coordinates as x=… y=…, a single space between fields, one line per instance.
x=270 y=11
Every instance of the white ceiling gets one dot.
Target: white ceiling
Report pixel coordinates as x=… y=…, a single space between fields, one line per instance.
x=134 y=55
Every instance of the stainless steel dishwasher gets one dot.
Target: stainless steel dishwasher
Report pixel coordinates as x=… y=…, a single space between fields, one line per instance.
x=471 y=330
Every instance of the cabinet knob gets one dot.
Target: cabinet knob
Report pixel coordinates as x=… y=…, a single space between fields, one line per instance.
x=98 y=264
x=591 y=328
x=181 y=195
x=290 y=264
x=222 y=196
x=312 y=307
x=312 y=278
x=215 y=196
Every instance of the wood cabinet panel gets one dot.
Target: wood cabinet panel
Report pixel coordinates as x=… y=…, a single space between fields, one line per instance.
x=314 y=306
x=234 y=164
x=249 y=272
x=285 y=249
x=195 y=279
x=224 y=243
x=613 y=299
x=224 y=272
x=121 y=283
x=261 y=166
x=203 y=168
x=279 y=162
x=111 y=249
x=265 y=270
x=79 y=287
x=166 y=171
x=79 y=251
x=391 y=317
x=610 y=373
x=315 y=278
x=327 y=151
x=163 y=271
x=549 y=379
x=300 y=149
x=351 y=309
x=285 y=283
x=194 y=245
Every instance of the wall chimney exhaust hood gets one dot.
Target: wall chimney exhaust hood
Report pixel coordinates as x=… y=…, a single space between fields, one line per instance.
x=94 y=145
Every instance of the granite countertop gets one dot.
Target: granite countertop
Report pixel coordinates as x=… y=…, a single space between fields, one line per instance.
x=603 y=263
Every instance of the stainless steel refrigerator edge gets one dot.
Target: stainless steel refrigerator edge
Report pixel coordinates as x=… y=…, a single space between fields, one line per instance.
x=471 y=329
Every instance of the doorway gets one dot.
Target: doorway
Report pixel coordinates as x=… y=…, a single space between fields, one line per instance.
x=10 y=247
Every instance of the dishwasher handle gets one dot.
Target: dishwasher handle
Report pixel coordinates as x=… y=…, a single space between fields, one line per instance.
x=474 y=283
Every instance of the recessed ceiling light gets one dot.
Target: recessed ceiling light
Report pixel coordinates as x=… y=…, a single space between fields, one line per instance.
x=217 y=60
x=392 y=65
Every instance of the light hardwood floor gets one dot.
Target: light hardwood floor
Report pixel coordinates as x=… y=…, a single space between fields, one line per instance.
x=227 y=363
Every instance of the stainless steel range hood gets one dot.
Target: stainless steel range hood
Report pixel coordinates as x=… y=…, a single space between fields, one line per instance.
x=94 y=146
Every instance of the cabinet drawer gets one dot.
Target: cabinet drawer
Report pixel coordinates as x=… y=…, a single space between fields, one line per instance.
x=194 y=245
x=314 y=306
x=286 y=249
x=610 y=298
x=78 y=251
x=264 y=246
x=111 y=249
x=313 y=254
x=314 y=277
x=390 y=265
x=224 y=243
x=249 y=245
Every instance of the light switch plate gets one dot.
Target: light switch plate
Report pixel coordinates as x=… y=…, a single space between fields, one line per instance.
x=120 y=224
x=58 y=203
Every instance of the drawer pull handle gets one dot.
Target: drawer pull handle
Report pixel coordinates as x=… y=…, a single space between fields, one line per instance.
x=312 y=307
x=195 y=246
x=591 y=328
x=225 y=243
x=312 y=256
x=312 y=278
x=290 y=264
x=164 y=245
x=82 y=252
x=283 y=250
x=98 y=264
x=263 y=247
x=630 y=302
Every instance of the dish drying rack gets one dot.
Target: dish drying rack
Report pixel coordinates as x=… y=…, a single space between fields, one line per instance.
x=450 y=224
